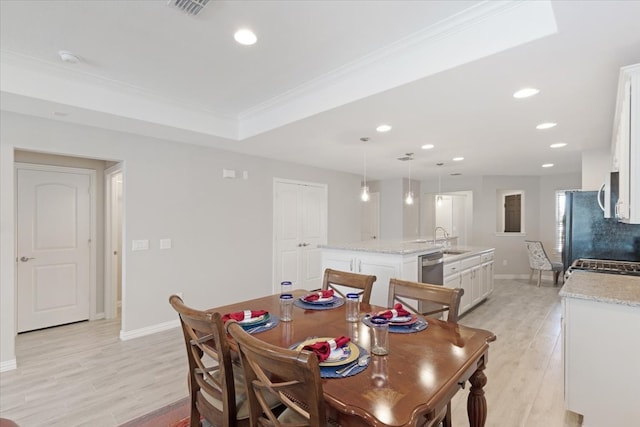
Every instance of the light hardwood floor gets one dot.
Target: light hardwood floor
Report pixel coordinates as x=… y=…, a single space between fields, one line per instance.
x=83 y=375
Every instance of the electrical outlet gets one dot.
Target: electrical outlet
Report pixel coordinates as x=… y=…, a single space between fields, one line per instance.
x=504 y=262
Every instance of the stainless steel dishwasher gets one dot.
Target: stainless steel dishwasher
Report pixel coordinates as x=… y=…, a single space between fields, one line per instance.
x=431 y=268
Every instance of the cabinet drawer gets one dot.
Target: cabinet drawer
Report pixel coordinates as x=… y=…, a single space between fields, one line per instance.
x=451 y=268
x=470 y=262
x=487 y=257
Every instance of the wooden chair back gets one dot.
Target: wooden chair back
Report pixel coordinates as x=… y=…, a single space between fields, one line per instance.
x=292 y=376
x=362 y=282
x=211 y=377
x=447 y=298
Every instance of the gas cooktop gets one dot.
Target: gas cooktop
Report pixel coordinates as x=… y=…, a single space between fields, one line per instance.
x=606 y=266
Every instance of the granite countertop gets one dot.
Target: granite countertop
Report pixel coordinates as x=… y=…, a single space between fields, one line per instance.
x=466 y=251
x=389 y=247
x=418 y=247
x=609 y=288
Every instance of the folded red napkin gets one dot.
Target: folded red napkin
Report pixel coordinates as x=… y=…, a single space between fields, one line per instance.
x=320 y=294
x=396 y=311
x=323 y=348
x=243 y=315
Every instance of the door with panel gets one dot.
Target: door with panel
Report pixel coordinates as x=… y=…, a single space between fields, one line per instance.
x=300 y=226
x=54 y=245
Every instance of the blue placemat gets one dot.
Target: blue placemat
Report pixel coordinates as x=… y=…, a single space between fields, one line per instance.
x=271 y=323
x=301 y=304
x=330 y=371
x=420 y=325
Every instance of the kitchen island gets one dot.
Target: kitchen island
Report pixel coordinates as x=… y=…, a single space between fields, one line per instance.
x=400 y=259
x=601 y=337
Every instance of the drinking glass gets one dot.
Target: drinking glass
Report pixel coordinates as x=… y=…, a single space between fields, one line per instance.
x=353 y=307
x=286 y=288
x=286 y=307
x=379 y=336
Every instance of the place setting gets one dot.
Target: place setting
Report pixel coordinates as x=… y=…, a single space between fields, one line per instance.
x=337 y=357
x=399 y=320
x=253 y=321
x=319 y=300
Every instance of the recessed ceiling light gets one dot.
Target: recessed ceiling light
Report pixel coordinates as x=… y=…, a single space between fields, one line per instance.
x=427 y=146
x=558 y=145
x=526 y=92
x=458 y=159
x=69 y=57
x=547 y=165
x=245 y=37
x=547 y=125
x=383 y=128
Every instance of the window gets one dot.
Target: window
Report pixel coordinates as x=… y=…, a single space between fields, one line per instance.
x=560 y=205
x=510 y=211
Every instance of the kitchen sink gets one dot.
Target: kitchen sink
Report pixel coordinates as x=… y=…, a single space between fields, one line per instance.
x=454 y=251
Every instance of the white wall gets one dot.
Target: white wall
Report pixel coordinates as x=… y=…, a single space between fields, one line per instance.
x=539 y=213
x=221 y=229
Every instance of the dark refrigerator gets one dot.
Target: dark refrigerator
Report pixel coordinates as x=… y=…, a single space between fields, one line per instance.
x=588 y=234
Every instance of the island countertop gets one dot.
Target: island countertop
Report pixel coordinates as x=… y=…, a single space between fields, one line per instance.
x=608 y=288
x=389 y=246
x=410 y=247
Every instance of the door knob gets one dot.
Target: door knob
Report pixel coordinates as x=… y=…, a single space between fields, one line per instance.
x=25 y=259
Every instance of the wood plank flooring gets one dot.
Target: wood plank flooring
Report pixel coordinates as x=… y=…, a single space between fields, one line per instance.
x=83 y=375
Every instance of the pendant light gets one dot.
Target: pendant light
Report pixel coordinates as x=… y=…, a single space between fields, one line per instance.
x=439 y=195
x=364 y=194
x=408 y=200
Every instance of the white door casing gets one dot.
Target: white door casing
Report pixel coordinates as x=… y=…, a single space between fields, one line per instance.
x=54 y=245
x=370 y=216
x=113 y=239
x=300 y=225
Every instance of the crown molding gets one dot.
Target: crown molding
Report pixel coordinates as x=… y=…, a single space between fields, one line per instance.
x=479 y=31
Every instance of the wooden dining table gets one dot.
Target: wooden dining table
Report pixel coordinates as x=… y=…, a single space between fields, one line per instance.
x=410 y=385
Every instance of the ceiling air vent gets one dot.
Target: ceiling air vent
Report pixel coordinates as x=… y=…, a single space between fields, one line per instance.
x=190 y=7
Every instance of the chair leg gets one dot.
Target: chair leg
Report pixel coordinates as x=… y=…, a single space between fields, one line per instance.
x=530 y=275
x=556 y=274
x=539 y=277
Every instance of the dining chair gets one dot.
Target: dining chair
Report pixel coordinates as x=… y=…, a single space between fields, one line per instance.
x=346 y=279
x=293 y=377
x=433 y=299
x=538 y=260
x=216 y=384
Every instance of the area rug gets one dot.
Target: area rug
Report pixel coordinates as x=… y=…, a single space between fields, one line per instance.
x=173 y=415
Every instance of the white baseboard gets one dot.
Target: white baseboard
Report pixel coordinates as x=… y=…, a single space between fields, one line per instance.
x=137 y=333
x=9 y=365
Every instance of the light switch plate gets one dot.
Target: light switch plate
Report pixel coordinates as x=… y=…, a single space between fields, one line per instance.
x=140 y=245
x=165 y=243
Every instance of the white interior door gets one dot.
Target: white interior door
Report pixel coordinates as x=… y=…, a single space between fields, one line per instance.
x=313 y=232
x=54 y=246
x=370 y=216
x=300 y=221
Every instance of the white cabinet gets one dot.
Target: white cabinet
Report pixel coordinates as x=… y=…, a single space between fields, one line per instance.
x=383 y=266
x=626 y=145
x=474 y=274
x=486 y=274
x=600 y=355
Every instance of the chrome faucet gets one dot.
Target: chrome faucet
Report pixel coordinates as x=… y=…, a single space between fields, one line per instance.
x=435 y=231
